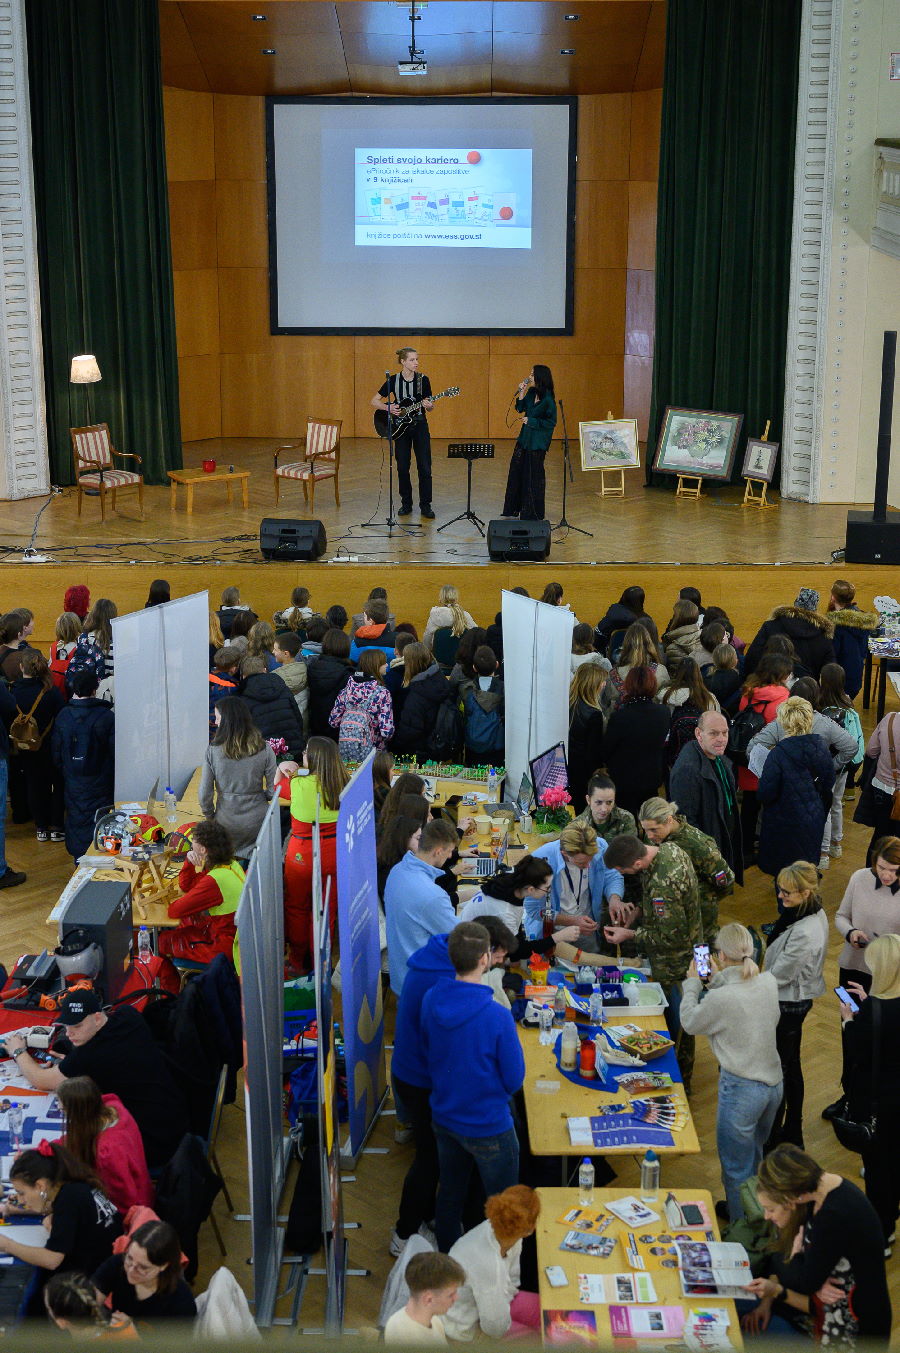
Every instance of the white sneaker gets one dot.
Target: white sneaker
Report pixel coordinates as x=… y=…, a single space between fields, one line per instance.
x=396 y=1245
x=403 y=1134
x=835 y=851
x=824 y=861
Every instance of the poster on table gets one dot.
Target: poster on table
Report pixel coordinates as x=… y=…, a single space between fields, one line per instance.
x=537 y=652
x=161 y=696
x=360 y=954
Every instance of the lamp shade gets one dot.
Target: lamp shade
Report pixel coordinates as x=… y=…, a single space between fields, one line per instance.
x=85 y=370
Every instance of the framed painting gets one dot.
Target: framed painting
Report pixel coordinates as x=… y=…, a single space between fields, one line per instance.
x=759 y=460
x=698 y=442
x=611 y=444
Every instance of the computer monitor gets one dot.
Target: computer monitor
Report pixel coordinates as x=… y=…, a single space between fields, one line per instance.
x=550 y=770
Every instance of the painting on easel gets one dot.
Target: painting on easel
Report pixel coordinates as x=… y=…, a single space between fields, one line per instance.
x=759 y=460
x=610 y=444
x=698 y=443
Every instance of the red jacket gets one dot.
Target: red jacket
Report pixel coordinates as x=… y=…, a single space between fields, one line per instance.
x=198 y=935
x=766 y=698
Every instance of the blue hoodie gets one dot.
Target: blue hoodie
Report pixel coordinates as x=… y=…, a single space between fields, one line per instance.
x=474 y=1057
x=415 y=908
x=426 y=966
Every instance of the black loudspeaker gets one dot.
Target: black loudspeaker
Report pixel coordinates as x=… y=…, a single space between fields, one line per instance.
x=102 y=910
x=284 y=538
x=872 y=542
x=509 y=539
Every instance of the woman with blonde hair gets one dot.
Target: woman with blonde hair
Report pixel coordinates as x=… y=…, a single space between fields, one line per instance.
x=736 y=1007
x=585 y=727
x=448 y=614
x=216 y=639
x=794 y=790
x=490 y=1302
x=640 y=648
x=795 y=956
x=661 y=821
x=581 y=883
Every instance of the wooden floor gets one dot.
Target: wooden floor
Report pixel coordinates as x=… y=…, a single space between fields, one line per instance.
x=371 y=1200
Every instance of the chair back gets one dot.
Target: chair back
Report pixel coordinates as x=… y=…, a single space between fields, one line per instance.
x=91 y=448
x=445 y=645
x=323 y=438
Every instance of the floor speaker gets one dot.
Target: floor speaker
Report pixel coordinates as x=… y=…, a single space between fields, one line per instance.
x=284 y=538
x=510 y=539
x=870 y=541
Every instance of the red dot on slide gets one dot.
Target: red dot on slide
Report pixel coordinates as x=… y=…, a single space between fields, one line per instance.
x=506 y=213
x=474 y=156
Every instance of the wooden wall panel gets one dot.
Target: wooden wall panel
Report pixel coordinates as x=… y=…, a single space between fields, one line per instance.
x=646 y=112
x=642 y=225
x=197 y=312
x=603 y=136
x=244 y=310
x=271 y=394
x=189 y=134
x=601 y=225
x=240 y=137
x=241 y=231
x=640 y=326
x=192 y=219
x=638 y=377
x=198 y=382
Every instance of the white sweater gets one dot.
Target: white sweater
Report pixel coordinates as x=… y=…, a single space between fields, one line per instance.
x=739 y=1019
x=491 y=1283
x=796 y=958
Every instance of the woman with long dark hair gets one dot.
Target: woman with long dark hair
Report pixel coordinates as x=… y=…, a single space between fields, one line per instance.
x=146 y=1282
x=211 y=881
x=238 y=775
x=536 y=406
x=101 y=1133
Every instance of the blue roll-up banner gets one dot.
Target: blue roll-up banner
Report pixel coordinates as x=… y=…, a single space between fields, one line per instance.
x=357 y=885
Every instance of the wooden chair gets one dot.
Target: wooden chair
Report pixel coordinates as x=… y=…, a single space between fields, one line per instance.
x=94 y=467
x=322 y=459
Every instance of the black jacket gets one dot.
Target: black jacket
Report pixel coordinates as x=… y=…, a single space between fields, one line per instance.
x=585 y=749
x=326 y=677
x=25 y=691
x=83 y=746
x=810 y=633
x=795 y=792
x=274 y=709
x=618 y=617
x=852 y=630
x=633 y=749
x=424 y=694
x=695 y=786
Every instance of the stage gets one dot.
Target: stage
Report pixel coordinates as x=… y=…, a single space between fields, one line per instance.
x=746 y=559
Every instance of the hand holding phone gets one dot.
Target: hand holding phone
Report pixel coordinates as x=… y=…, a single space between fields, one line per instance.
x=701 y=960
x=845 y=998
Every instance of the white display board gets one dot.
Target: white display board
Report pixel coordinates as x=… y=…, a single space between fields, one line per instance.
x=537 y=663
x=162 y=696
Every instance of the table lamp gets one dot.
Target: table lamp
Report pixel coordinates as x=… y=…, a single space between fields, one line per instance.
x=85 y=371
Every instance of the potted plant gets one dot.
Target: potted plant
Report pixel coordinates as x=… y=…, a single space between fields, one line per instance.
x=552 y=813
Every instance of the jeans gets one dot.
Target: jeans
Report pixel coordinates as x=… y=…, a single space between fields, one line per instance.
x=497 y=1159
x=684 y=1043
x=834 y=822
x=744 y=1120
x=417 y=1198
x=4 y=781
x=418 y=439
x=788 y=1124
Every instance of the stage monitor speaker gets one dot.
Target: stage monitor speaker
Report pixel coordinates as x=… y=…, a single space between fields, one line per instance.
x=284 y=538
x=102 y=910
x=510 y=539
x=870 y=541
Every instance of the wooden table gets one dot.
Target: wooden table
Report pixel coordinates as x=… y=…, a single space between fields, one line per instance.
x=191 y=476
x=546 y=1112
x=555 y=1202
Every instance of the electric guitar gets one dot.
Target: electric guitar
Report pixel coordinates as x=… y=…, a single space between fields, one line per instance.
x=408 y=413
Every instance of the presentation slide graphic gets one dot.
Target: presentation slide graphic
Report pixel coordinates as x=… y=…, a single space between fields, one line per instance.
x=458 y=199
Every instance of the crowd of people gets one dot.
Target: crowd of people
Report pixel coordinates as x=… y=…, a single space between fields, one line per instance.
x=694 y=756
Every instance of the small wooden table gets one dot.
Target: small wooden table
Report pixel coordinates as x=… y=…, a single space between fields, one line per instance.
x=192 y=476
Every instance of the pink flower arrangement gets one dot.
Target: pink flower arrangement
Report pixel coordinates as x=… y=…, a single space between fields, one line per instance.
x=278 y=745
x=553 y=814
x=555 y=797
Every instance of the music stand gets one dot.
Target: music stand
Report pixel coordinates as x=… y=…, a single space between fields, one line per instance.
x=469 y=451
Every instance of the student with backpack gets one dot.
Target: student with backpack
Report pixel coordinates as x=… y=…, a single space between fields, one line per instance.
x=363 y=713
x=421 y=722
x=94 y=649
x=83 y=749
x=835 y=704
x=483 y=710
x=68 y=628
x=38 y=702
x=224 y=680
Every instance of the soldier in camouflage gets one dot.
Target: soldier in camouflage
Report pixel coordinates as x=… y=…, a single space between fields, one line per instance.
x=661 y=821
x=669 y=924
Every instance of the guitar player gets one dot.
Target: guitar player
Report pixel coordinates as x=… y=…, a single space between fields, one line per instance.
x=409 y=386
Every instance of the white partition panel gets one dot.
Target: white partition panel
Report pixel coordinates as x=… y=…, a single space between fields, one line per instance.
x=537 y=655
x=162 y=696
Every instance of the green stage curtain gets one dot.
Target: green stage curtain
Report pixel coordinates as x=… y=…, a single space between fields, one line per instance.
x=103 y=226
x=723 y=245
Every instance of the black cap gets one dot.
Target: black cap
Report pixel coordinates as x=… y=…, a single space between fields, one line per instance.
x=77 y=1005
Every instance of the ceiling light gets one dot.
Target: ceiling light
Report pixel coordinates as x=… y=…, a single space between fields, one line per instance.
x=268 y=51
x=259 y=18
x=567 y=51
x=571 y=18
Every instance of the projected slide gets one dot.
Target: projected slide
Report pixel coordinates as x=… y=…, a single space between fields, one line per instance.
x=456 y=199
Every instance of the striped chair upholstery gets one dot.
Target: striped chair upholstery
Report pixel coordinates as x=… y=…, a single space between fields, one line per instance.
x=95 y=469
x=321 y=448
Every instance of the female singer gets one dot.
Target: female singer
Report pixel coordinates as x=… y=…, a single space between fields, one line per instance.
x=536 y=404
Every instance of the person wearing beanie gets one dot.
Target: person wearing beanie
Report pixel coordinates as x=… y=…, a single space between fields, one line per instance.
x=811 y=634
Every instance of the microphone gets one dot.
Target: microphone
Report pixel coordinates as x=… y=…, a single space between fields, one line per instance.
x=389 y=374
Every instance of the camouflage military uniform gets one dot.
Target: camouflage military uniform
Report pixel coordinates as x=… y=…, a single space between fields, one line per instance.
x=715 y=878
x=670 y=927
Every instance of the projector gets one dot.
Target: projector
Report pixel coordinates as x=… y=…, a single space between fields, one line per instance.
x=412 y=67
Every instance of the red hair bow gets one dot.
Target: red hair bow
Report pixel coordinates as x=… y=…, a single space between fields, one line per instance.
x=44 y=1147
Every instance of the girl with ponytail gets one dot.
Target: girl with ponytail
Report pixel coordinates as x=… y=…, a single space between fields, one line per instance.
x=448 y=614
x=738 y=1012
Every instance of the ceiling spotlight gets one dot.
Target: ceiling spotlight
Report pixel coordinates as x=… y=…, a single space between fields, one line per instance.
x=567 y=51
x=571 y=18
x=259 y=18
x=268 y=51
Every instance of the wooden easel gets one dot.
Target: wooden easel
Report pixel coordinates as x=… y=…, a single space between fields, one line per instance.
x=614 y=487
x=683 y=491
x=755 y=489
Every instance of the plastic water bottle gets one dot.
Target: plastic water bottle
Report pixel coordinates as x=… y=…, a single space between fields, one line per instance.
x=545 y=1023
x=559 y=1007
x=144 y=947
x=492 y=784
x=596 y=1015
x=171 y=806
x=650 y=1177
x=586 y=1182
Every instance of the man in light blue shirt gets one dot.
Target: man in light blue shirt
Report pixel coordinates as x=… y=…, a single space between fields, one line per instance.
x=581 y=880
x=415 y=905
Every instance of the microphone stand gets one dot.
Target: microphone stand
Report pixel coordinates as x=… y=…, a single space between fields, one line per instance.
x=567 y=470
x=392 y=521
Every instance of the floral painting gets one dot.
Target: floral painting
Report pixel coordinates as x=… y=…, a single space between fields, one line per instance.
x=610 y=445
x=698 y=442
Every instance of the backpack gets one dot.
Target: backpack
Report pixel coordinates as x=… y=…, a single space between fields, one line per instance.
x=744 y=727
x=681 y=731
x=87 y=657
x=484 y=728
x=24 y=733
x=81 y=749
x=355 y=735
x=58 y=668
x=837 y=714
x=447 y=734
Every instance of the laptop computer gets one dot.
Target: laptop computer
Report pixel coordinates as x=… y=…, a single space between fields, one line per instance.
x=550 y=770
x=485 y=866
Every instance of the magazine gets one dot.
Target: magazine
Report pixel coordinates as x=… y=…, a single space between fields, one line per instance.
x=595 y=1246
x=631 y=1211
x=595 y=1289
x=712 y=1268
x=646 y=1082
x=591 y=1219
x=570 y=1327
x=646 y=1322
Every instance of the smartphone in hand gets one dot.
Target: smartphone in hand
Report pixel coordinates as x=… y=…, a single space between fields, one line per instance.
x=701 y=959
x=844 y=995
